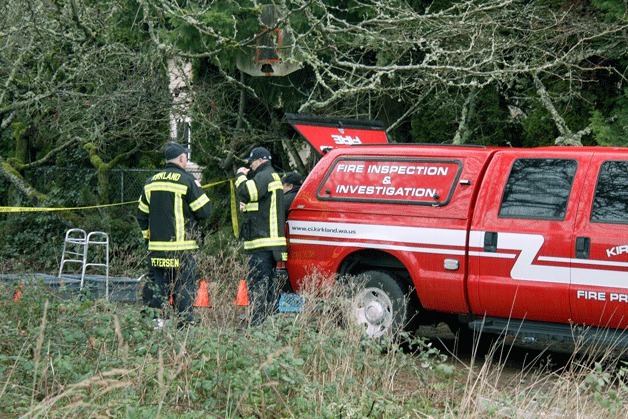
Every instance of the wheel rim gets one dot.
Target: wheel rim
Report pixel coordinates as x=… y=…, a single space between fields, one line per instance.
x=374 y=310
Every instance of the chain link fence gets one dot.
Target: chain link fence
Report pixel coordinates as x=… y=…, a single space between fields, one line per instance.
x=124 y=184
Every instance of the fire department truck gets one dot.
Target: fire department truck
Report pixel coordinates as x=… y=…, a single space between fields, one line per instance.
x=532 y=242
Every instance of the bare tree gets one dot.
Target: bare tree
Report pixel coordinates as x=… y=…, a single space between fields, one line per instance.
x=76 y=74
x=400 y=52
x=370 y=52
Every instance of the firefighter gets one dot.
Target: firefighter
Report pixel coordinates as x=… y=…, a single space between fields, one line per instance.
x=170 y=207
x=260 y=190
x=291 y=182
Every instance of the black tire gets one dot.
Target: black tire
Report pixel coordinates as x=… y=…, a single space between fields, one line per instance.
x=380 y=304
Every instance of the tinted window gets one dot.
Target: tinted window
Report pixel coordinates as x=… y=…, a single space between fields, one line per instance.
x=611 y=195
x=397 y=180
x=538 y=189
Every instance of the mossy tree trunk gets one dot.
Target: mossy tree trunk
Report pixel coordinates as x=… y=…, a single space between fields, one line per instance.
x=12 y=169
x=104 y=169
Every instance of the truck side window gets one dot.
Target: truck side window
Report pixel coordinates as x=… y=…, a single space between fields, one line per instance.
x=538 y=189
x=611 y=194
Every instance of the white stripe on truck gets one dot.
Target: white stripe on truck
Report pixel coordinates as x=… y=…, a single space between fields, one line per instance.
x=527 y=247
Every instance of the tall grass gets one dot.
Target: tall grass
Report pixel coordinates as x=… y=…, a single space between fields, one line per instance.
x=590 y=383
x=84 y=358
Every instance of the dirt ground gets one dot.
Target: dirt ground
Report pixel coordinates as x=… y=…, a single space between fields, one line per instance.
x=512 y=361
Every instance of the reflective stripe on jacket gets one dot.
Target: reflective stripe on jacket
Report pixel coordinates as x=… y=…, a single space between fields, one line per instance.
x=264 y=216
x=169 y=208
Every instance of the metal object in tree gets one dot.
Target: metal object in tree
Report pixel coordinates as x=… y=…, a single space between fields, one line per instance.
x=271 y=55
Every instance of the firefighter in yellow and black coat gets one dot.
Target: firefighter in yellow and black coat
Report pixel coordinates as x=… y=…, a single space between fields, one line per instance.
x=260 y=190
x=171 y=204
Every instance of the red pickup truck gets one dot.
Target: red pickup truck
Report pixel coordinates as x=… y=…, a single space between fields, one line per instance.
x=526 y=241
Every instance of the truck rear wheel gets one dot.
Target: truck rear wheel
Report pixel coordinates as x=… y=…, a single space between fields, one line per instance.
x=380 y=305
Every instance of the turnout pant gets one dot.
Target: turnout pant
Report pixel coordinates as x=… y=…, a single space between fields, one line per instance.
x=262 y=287
x=173 y=275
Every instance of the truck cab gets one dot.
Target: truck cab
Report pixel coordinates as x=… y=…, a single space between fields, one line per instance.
x=548 y=235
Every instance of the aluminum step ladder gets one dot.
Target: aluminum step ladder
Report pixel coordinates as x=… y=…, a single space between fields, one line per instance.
x=76 y=250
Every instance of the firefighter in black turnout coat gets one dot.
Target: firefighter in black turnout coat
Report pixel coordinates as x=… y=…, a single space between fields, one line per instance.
x=291 y=182
x=171 y=204
x=260 y=190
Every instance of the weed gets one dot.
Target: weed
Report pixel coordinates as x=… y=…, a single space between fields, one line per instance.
x=62 y=356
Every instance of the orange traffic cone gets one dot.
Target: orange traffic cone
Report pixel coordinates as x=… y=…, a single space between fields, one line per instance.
x=202 y=295
x=242 y=298
x=18 y=293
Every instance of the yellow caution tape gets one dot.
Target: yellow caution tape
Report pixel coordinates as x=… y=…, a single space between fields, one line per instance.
x=47 y=209
x=234 y=209
x=220 y=182
x=234 y=205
